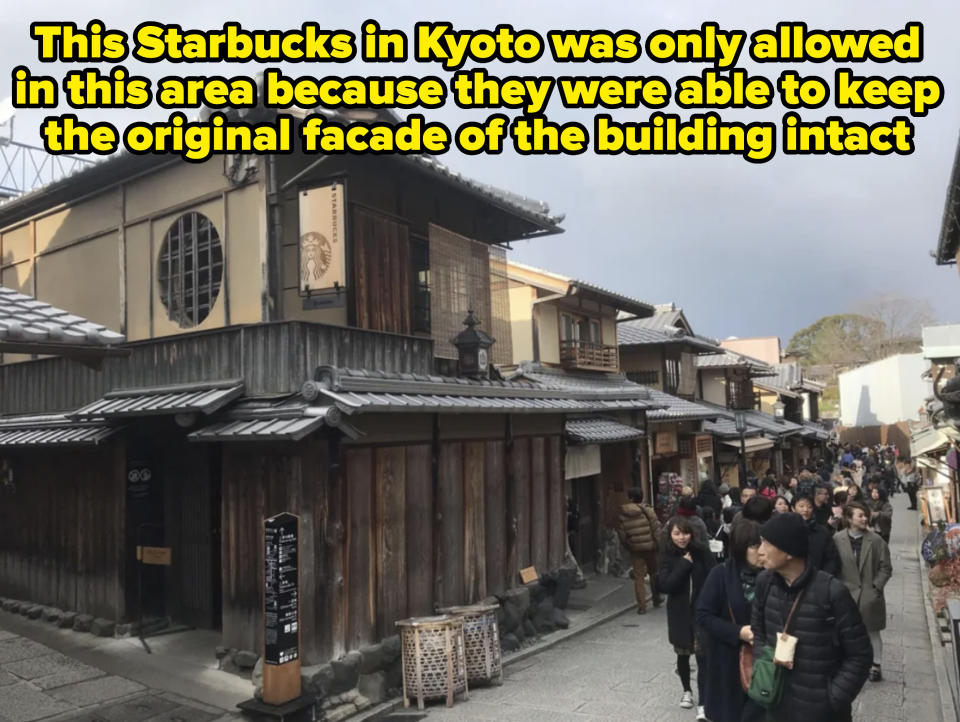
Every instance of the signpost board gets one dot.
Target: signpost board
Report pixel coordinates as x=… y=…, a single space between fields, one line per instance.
x=281 y=609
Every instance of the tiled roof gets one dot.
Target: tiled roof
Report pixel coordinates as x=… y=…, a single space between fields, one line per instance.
x=757 y=422
x=271 y=429
x=188 y=398
x=624 y=303
x=534 y=210
x=640 y=332
x=678 y=409
x=122 y=163
x=46 y=431
x=599 y=431
x=816 y=430
x=354 y=391
x=27 y=321
x=789 y=381
x=731 y=359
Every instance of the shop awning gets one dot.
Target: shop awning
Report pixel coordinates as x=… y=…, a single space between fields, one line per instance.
x=259 y=430
x=30 y=433
x=202 y=398
x=929 y=441
x=749 y=445
x=599 y=431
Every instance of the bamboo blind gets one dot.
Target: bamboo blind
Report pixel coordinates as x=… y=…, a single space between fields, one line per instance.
x=464 y=275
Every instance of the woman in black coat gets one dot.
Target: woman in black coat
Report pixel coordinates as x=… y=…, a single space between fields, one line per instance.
x=729 y=590
x=684 y=565
x=708 y=497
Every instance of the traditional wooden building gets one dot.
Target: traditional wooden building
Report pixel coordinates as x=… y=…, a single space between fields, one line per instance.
x=661 y=352
x=290 y=323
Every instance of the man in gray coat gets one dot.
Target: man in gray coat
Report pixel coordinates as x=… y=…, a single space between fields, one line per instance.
x=865 y=568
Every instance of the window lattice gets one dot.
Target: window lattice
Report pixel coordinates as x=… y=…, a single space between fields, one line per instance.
x=190 y=269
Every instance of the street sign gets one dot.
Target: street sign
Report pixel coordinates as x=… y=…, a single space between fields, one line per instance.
x=281 y=609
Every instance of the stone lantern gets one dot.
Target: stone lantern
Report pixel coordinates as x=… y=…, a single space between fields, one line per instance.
x=473 y=349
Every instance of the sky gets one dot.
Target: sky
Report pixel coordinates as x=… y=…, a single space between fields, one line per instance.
x=744 y=249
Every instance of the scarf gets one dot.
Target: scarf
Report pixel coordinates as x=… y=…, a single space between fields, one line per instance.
x=748 y=582
x=686 y=512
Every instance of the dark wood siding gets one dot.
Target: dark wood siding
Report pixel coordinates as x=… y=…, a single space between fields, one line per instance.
x=258 y=484
x=420 y=515
x=62 y=530
x=270 y=358
x=381 y=272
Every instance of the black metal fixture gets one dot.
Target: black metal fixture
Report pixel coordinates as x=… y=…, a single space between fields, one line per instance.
x=473 y=349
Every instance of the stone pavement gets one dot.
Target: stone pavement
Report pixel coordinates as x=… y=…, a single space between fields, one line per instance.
x=624 y=669
x=37 y=683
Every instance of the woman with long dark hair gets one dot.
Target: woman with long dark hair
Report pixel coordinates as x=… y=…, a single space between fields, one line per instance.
x=723 y=615
x=781 y=505
x=684 y=565
x=881 y=513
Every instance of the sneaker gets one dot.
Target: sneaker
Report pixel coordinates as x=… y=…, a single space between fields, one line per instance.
x=875 y=675
x=641 y=610
x=701 y=714
x=657 y=602
x=686 y=701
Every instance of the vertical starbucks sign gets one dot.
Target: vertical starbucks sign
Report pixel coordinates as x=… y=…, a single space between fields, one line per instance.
x=322 y=254
x=281 y=609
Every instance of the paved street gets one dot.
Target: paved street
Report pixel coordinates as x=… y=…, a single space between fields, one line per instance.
x=37 y=683
x=624 y=669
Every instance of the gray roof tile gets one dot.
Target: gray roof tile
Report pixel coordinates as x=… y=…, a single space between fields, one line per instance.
x=25 y=320
x=597 y=430
x=191 y=398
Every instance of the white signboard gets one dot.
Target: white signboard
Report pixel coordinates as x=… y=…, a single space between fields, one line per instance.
x=322 y=255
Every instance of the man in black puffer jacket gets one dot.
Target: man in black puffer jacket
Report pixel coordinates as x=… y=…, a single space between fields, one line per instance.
x=833 y=653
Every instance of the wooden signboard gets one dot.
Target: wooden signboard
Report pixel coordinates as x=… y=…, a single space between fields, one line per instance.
x=161 y=556
x=281 y=609
x=666 y=442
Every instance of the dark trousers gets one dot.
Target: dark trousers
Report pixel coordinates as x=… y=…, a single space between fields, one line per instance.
x=912 y=494
x=644 y=563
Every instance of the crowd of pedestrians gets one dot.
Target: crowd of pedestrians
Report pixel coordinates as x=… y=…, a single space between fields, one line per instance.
x=784 y=575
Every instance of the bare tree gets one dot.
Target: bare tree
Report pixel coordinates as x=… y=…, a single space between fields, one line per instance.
x=902 y=320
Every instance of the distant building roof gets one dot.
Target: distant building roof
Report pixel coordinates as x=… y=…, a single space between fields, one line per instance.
x=757 y=422
x=653 y=331
x=31 y=326
x=663 y=406
x=732 y=359
x=789 y=381
x=583 y=289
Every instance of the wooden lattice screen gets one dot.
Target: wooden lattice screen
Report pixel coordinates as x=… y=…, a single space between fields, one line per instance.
x=464 y=275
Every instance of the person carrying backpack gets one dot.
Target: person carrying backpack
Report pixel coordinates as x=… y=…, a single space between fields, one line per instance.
x=831 y=656
x=640 y=533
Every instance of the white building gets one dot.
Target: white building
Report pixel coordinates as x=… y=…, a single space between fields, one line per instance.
x=884 y=392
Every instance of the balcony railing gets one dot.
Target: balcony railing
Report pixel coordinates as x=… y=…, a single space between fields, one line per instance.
x=588 y=355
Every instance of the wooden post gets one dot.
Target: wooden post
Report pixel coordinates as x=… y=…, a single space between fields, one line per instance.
x=281 y=609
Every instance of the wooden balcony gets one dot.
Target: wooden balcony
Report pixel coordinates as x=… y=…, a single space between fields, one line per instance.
x=589 y=356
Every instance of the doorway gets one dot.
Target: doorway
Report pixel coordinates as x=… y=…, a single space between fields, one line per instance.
x=582 y=519
x=173 y=501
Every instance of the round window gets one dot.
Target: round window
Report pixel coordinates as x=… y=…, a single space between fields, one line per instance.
x=190 y=269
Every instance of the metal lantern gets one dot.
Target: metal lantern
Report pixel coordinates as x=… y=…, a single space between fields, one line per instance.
x=473 y=349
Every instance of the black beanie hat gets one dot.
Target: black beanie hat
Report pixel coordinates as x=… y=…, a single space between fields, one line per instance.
x=788 y=533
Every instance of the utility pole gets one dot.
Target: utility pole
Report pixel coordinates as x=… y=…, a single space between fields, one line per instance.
x=741 y=421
